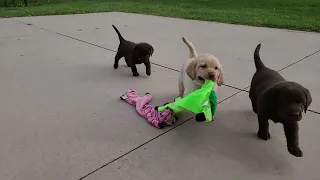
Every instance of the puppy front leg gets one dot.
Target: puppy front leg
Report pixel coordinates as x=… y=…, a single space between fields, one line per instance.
x=148 y=68
x=181 y=88
x=292 y=134
x=263 y=132
x=134 y=70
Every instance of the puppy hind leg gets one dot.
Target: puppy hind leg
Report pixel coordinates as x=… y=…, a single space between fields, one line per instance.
x=181 y=92
x=116 y=60
x=254 y=107
x=181 y=88
x=253 y=102
x=127 y=62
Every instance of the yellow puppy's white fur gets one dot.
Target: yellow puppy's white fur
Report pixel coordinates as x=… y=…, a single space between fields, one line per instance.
x=198 y=68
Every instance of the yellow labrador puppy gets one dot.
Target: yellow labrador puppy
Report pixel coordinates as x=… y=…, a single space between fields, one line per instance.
x=198 y=68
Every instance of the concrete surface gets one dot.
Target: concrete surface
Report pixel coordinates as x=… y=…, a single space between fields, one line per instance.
x=61 y=117
x=225 y=149
x=234 y=45
x=306 y=73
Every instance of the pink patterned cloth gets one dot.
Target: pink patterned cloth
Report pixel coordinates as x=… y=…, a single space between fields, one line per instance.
x=146 y=110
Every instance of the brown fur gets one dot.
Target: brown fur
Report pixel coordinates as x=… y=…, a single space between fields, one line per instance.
x=279 y=100
x=133 y=54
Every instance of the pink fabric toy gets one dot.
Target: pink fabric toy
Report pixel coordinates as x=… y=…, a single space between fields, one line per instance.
x=146 y=110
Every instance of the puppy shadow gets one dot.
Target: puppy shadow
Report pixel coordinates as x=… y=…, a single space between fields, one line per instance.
x=91 y=72
x=233 y=135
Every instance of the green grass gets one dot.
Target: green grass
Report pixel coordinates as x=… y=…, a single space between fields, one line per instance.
x=289 y=14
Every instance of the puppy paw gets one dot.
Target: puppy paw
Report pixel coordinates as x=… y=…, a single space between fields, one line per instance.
x=136 y=74
x=148 y=72
x=295 y=151
x=115 y=66
x=264 y=135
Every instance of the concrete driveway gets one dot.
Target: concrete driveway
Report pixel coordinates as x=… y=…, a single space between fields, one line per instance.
x=61 y=117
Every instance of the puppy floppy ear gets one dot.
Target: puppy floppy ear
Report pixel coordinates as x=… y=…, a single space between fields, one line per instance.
x=191 y=69
x=135 y=52
x=269 y=100
x=308 y=99
x=220 y=79
x=151 y=51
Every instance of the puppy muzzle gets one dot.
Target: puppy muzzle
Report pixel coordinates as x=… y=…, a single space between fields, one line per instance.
x=294 y=116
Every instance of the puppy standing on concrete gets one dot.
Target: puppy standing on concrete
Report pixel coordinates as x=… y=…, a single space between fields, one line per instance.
x=133 y=54
x=281 y=101
x=198 y=68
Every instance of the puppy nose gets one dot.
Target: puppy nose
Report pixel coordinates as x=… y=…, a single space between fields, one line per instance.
x=211 y=76
x=296 y=113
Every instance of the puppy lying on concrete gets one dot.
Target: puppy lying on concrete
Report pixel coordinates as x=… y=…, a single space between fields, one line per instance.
x=133 y=54
x=279 y=100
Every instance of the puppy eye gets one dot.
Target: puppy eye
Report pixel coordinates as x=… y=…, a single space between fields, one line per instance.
x=203 y=66
x=216 y=67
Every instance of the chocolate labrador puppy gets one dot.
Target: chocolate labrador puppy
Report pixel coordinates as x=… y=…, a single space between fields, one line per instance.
x=281 y=101
x=133 y=54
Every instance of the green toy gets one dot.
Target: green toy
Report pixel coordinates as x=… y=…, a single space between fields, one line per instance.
x=203 y=102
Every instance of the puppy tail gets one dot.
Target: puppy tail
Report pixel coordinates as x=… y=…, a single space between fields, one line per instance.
x=193 y=52
x=117 y=31
x=257 y=61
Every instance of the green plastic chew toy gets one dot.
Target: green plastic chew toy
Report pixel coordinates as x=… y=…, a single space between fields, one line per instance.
x=203 y=102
